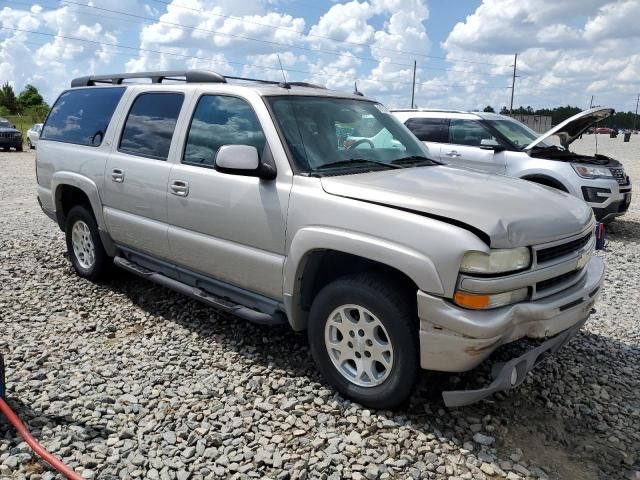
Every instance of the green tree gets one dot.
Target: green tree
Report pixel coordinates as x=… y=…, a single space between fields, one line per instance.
x=29 y=97
x=504 y=110
x=488 y=108
x=8 y=98
x=4 y=111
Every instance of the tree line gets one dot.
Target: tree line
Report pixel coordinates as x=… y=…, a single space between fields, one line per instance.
x=28 y=102
x=560 y=114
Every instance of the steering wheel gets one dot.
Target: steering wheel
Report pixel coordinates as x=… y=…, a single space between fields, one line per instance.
x=360 y=142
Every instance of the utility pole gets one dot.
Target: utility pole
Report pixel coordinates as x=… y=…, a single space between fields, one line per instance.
x=636 y=115
x=591 y=102
x=513 y=80
x=413 y=87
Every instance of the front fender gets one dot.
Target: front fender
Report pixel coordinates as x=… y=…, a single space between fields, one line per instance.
x=412 y=263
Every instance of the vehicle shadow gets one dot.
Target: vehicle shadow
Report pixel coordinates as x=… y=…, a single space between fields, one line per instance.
x=559 y=417
x=623 y=228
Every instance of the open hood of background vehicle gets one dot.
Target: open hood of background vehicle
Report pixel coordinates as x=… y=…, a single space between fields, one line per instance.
x=575 y=126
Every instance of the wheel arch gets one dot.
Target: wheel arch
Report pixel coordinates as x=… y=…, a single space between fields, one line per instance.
x=320 y=255
x=547 y=180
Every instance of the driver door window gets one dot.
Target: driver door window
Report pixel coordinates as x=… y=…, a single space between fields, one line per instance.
x=220 y=120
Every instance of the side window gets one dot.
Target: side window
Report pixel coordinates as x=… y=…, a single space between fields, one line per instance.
x=468 y=132
x=221 y=120
x=149 y=127
x=82 y=115
x=428 y=129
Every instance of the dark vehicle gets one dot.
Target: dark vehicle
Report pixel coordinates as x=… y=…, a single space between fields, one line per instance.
x=9 y=136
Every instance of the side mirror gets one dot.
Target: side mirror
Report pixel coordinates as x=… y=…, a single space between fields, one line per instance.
x=491 y=144
x=241 y=160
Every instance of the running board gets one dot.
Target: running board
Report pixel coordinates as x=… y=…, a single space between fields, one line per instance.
x=223 y=304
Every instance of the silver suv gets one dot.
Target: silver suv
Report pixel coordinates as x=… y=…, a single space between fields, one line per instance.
x=239 y=194
x=499 y=144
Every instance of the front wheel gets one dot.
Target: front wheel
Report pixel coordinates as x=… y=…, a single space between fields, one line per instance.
x=29 y=144
x=84 y=246
x=363 y=335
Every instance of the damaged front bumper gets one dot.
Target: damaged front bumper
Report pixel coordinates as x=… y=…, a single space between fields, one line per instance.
x=453 y=339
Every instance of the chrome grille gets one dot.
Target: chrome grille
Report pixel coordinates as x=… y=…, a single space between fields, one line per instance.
x=551 y=253
x=620 y=176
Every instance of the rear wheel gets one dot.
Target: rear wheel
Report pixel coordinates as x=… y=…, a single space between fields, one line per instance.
x=29 y=144
x=363 y=336
x=84 y=246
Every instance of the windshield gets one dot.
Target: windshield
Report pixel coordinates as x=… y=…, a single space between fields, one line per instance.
x=4 y=124
x=517 y=133
x=316 y=130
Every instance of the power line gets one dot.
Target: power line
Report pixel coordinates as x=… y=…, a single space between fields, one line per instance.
x=227 y=62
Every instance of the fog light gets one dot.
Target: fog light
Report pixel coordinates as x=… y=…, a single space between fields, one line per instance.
x=595 y=194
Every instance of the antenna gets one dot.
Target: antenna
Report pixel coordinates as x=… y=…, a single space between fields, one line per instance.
x=355 y=89
x=285 y=84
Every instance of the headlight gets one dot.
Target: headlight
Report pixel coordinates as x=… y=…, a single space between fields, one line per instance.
x=496 y=261
x=478 y=301
x=585 y=171
x=17 y=134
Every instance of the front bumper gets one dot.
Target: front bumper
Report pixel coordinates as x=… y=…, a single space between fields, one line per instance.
x=454 y=339
x=512 y=373
x=613 y=209
x=614 y=199
x=10 y=142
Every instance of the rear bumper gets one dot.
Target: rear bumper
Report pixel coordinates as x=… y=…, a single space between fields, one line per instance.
x=453 y=339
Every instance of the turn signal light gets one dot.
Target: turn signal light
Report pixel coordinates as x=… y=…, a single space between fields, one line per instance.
x=471 y=300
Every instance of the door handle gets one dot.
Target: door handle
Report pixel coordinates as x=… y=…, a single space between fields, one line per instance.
x=117 y=175
x=452 y=153
x=179 y=188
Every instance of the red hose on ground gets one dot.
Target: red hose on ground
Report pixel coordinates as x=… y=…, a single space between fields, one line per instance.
x=33 y=443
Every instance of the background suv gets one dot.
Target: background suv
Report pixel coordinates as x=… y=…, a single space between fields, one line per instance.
x=499 y=144
x=10 y=136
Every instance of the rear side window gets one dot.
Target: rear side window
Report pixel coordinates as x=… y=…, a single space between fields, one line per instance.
x=81 y=116
x=428 y=129
x=149 y=127
x=220 y=120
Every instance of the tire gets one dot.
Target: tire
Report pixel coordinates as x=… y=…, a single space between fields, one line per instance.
x=84 y=246
x=30 y=144
x=19 y=148
x=389 y=382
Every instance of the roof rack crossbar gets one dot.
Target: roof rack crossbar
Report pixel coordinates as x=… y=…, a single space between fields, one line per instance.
x=188 y=76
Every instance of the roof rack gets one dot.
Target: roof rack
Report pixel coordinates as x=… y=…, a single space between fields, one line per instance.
x=442 y=110
x=187 y=76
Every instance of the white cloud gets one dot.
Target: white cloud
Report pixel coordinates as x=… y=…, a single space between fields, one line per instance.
x=567 y=50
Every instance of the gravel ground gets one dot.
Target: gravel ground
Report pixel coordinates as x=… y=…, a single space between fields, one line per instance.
x=129 y=380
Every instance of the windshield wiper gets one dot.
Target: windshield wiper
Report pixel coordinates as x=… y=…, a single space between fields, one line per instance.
x=346 y=163
x=413 y=160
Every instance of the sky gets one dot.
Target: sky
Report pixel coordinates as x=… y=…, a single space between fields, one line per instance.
x=568 y=50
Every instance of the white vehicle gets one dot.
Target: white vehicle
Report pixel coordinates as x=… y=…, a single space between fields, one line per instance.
x=499 y=144
x=33 y=134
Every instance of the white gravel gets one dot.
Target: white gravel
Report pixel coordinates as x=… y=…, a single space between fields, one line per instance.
x=129 y=380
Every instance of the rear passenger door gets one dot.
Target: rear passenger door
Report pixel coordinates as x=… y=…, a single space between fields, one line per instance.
x=223 y=226
x=137 y=172
x=430 y=131
x=463 y=147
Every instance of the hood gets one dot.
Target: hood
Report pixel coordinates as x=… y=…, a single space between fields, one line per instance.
x=575 y=126
x=8 y=129
x=505 y=212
